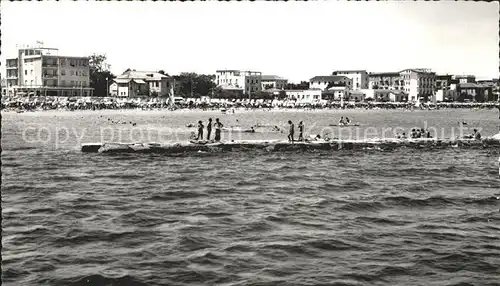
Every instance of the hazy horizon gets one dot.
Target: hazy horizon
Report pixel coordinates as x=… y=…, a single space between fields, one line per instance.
x=294 y=40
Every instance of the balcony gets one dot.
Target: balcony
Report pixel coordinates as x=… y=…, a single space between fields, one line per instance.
x=50 y=76
x=50 y=65
x=11 y=76
x=12 y=67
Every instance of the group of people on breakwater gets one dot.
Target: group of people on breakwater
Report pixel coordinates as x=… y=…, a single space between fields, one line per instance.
x=217 y=125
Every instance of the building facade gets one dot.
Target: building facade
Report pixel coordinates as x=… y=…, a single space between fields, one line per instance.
x=246 y=81
x=385 y=80
x=337 y=93
x=419 y=83
x=304 y=96
x=272 y=81
x=359 y=78
x=41 y=71
x=475 y=92
x=328 y=81
x=465 y=79
x=134 y=83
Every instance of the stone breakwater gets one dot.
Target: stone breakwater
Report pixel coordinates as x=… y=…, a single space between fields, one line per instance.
x=277 y=145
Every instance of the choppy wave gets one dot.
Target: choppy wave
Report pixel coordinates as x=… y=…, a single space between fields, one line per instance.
x=405 y=217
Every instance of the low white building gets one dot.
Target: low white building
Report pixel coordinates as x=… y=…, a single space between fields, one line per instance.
x=273 y=81
x=246 y=81
x=337 y=92
x=325 y=82
x=305 y=96
x=359 y=78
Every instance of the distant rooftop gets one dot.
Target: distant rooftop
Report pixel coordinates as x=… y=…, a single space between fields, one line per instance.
x=348 y=71
x=133 y=74
x=393 y=74
x=329 y=78
x=271 y=77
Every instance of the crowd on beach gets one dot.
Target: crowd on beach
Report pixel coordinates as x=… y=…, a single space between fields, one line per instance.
x=95 y=103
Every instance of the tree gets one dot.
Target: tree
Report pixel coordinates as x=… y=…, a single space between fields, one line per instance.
x=100 y=76
x=301 y=86
x=282 y=95
x=194 y=85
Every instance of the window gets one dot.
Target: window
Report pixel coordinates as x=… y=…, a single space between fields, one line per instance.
x=25 y=72
x=72 y=83
x=63 y=72
x=72 y=72
x=63 y=82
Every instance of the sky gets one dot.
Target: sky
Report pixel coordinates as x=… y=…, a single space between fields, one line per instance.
x=295 y=40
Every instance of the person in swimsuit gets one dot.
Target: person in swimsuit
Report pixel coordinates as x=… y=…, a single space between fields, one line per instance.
x=290 y=133
x=200 y=131
x=301 y=131
x=209 y=128
x=341 y=121
x=218 y=126
x=347 y=121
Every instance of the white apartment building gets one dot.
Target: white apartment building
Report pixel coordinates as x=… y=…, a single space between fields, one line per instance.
x=134 y=83
x=41 y=71
x=359 y=78
x=273 y=81
x=325 y=82
x=418 y=83
x=245 y=81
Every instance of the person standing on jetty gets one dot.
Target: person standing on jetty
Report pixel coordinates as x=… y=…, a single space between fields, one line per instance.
x=290 y=133
x=218 y=127
x=209 y=128
x=301 y=131
x=200 y=130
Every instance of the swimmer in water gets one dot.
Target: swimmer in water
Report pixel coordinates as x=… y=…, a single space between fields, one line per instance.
x=476 y=135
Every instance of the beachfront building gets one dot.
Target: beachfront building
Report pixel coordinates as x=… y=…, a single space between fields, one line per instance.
x=337 y=93
x=41 y=71
x=328 y=81
x=385 y=95
x=273 y=81
x=419 y=83
x=134 y=83
x=475 y=92
x=357 y=95
x=304 y=96
x=385 y=80
x=245 y=81
x=359 y=78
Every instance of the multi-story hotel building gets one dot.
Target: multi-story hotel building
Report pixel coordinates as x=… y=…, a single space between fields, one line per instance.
x=385 y=80
x=419 y=83
x=244 y=81
x=359 y=78
x=272 y=81
x=416 y=83
x=41 y=71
